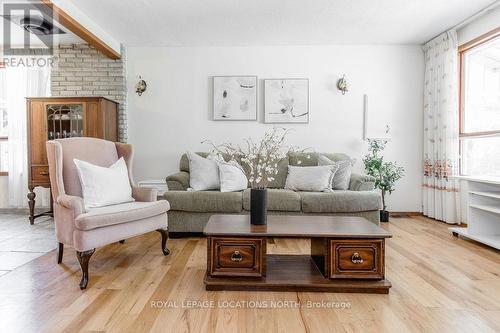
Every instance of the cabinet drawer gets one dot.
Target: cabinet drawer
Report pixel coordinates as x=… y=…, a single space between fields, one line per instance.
x=237 y=256
x=357 y=259
x=40 y=174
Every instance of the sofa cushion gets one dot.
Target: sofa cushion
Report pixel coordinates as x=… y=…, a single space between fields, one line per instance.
x=203 y=172
x=342 y=176
x=310 y=178
x=232 y=177
x=118 y=214
x=311 y=159
x=280 y=178
x=184 y=162
x=205 y=201
x=277 y=200
x=340 y=201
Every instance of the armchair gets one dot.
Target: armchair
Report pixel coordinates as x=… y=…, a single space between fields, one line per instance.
x=85 y=230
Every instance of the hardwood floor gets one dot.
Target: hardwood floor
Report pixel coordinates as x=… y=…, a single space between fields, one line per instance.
x=440 y=284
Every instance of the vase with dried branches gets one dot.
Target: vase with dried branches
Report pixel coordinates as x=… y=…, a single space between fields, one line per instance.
x=259 y=159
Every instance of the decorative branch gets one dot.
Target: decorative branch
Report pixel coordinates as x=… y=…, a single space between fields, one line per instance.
x=259 y=159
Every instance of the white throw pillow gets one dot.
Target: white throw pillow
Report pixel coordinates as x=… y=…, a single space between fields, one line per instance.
x=311 y=178
x=342 y=177
x=104 y=186
x=232 y=177
x=203 y=172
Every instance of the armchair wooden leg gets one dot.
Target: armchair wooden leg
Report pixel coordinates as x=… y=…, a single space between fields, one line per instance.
x=122 y=241
x=164 y=237
x=83 y=258
x=60 y=252
x=31 y=205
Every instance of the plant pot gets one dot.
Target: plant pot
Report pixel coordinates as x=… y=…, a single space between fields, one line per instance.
x=384 y=216
x=258 y=206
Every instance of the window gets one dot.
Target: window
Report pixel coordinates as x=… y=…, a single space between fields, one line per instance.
x=4 y=122
x=480 y=106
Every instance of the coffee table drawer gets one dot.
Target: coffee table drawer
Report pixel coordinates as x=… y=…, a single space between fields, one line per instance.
x=237 y=256
x=357 y=259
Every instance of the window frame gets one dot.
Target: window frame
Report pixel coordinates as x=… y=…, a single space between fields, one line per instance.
x=462 y=50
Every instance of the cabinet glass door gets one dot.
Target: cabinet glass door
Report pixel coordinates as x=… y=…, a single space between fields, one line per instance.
x=64 y=121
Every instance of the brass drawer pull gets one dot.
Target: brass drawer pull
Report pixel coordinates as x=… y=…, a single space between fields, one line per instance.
x=44 y=173
x=356 y=258
x=236 y=256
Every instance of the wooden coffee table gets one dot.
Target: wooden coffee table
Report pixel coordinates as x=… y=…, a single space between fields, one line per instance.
x=347 y=255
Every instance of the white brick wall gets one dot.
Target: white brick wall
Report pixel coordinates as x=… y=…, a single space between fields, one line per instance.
x=81 y=70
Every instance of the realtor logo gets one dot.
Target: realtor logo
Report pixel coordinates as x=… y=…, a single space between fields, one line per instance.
x=38 y=29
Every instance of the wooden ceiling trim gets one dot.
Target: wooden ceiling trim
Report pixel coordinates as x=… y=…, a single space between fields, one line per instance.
x=75 y=27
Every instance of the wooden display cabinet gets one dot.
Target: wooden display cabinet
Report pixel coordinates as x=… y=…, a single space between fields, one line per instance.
x=52 y=118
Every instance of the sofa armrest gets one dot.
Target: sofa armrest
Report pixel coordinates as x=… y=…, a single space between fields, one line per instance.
x=178 y=181
x=361 y=182
x=73 y=203
x=144 y=194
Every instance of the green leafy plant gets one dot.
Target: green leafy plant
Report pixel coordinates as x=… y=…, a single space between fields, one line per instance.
x=386 y=173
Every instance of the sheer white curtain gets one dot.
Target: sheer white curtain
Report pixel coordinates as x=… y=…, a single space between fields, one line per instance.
x=441 y=198
x=22 y=82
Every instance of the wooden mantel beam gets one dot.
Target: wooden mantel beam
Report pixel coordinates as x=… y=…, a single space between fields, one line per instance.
x=75 y=27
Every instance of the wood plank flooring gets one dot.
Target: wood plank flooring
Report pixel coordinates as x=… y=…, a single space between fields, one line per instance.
x=440 y=284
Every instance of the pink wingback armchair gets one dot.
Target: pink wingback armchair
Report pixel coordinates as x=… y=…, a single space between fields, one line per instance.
x=85 y=230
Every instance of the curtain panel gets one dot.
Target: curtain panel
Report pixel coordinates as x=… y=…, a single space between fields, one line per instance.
x=22 y=82
x=441 y=197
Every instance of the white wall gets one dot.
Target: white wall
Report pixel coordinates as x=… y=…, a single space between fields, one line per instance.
x=480 y=26
x=174 y=114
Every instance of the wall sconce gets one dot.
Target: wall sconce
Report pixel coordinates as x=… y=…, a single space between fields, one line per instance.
x=343 y=85
x=141 y=86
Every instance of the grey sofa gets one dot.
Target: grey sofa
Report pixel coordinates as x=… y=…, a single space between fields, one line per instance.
x=190 y=211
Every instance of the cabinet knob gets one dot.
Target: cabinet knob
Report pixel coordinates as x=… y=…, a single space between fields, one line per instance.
x=236 y=256
x=356 y=258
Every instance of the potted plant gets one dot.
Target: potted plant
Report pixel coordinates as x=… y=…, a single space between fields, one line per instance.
x=386 y=173
x=260 y=161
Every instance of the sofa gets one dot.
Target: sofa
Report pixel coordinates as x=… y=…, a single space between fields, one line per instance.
x=190 y=210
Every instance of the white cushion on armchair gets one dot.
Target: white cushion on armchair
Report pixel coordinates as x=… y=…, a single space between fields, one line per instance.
x=104 y=186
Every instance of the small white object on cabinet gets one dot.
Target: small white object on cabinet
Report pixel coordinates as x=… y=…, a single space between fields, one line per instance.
x=483 y=223
x=159 y=184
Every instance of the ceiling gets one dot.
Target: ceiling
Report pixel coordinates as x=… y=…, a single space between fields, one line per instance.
x=276 y=22
x=17 y=33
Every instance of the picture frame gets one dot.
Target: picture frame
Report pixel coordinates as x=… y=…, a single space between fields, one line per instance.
x=286 y=101
x=235 y=98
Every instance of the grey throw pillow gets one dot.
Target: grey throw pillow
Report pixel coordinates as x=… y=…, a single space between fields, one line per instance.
x=311 y=178
x=204 y=172
x=342 y=177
